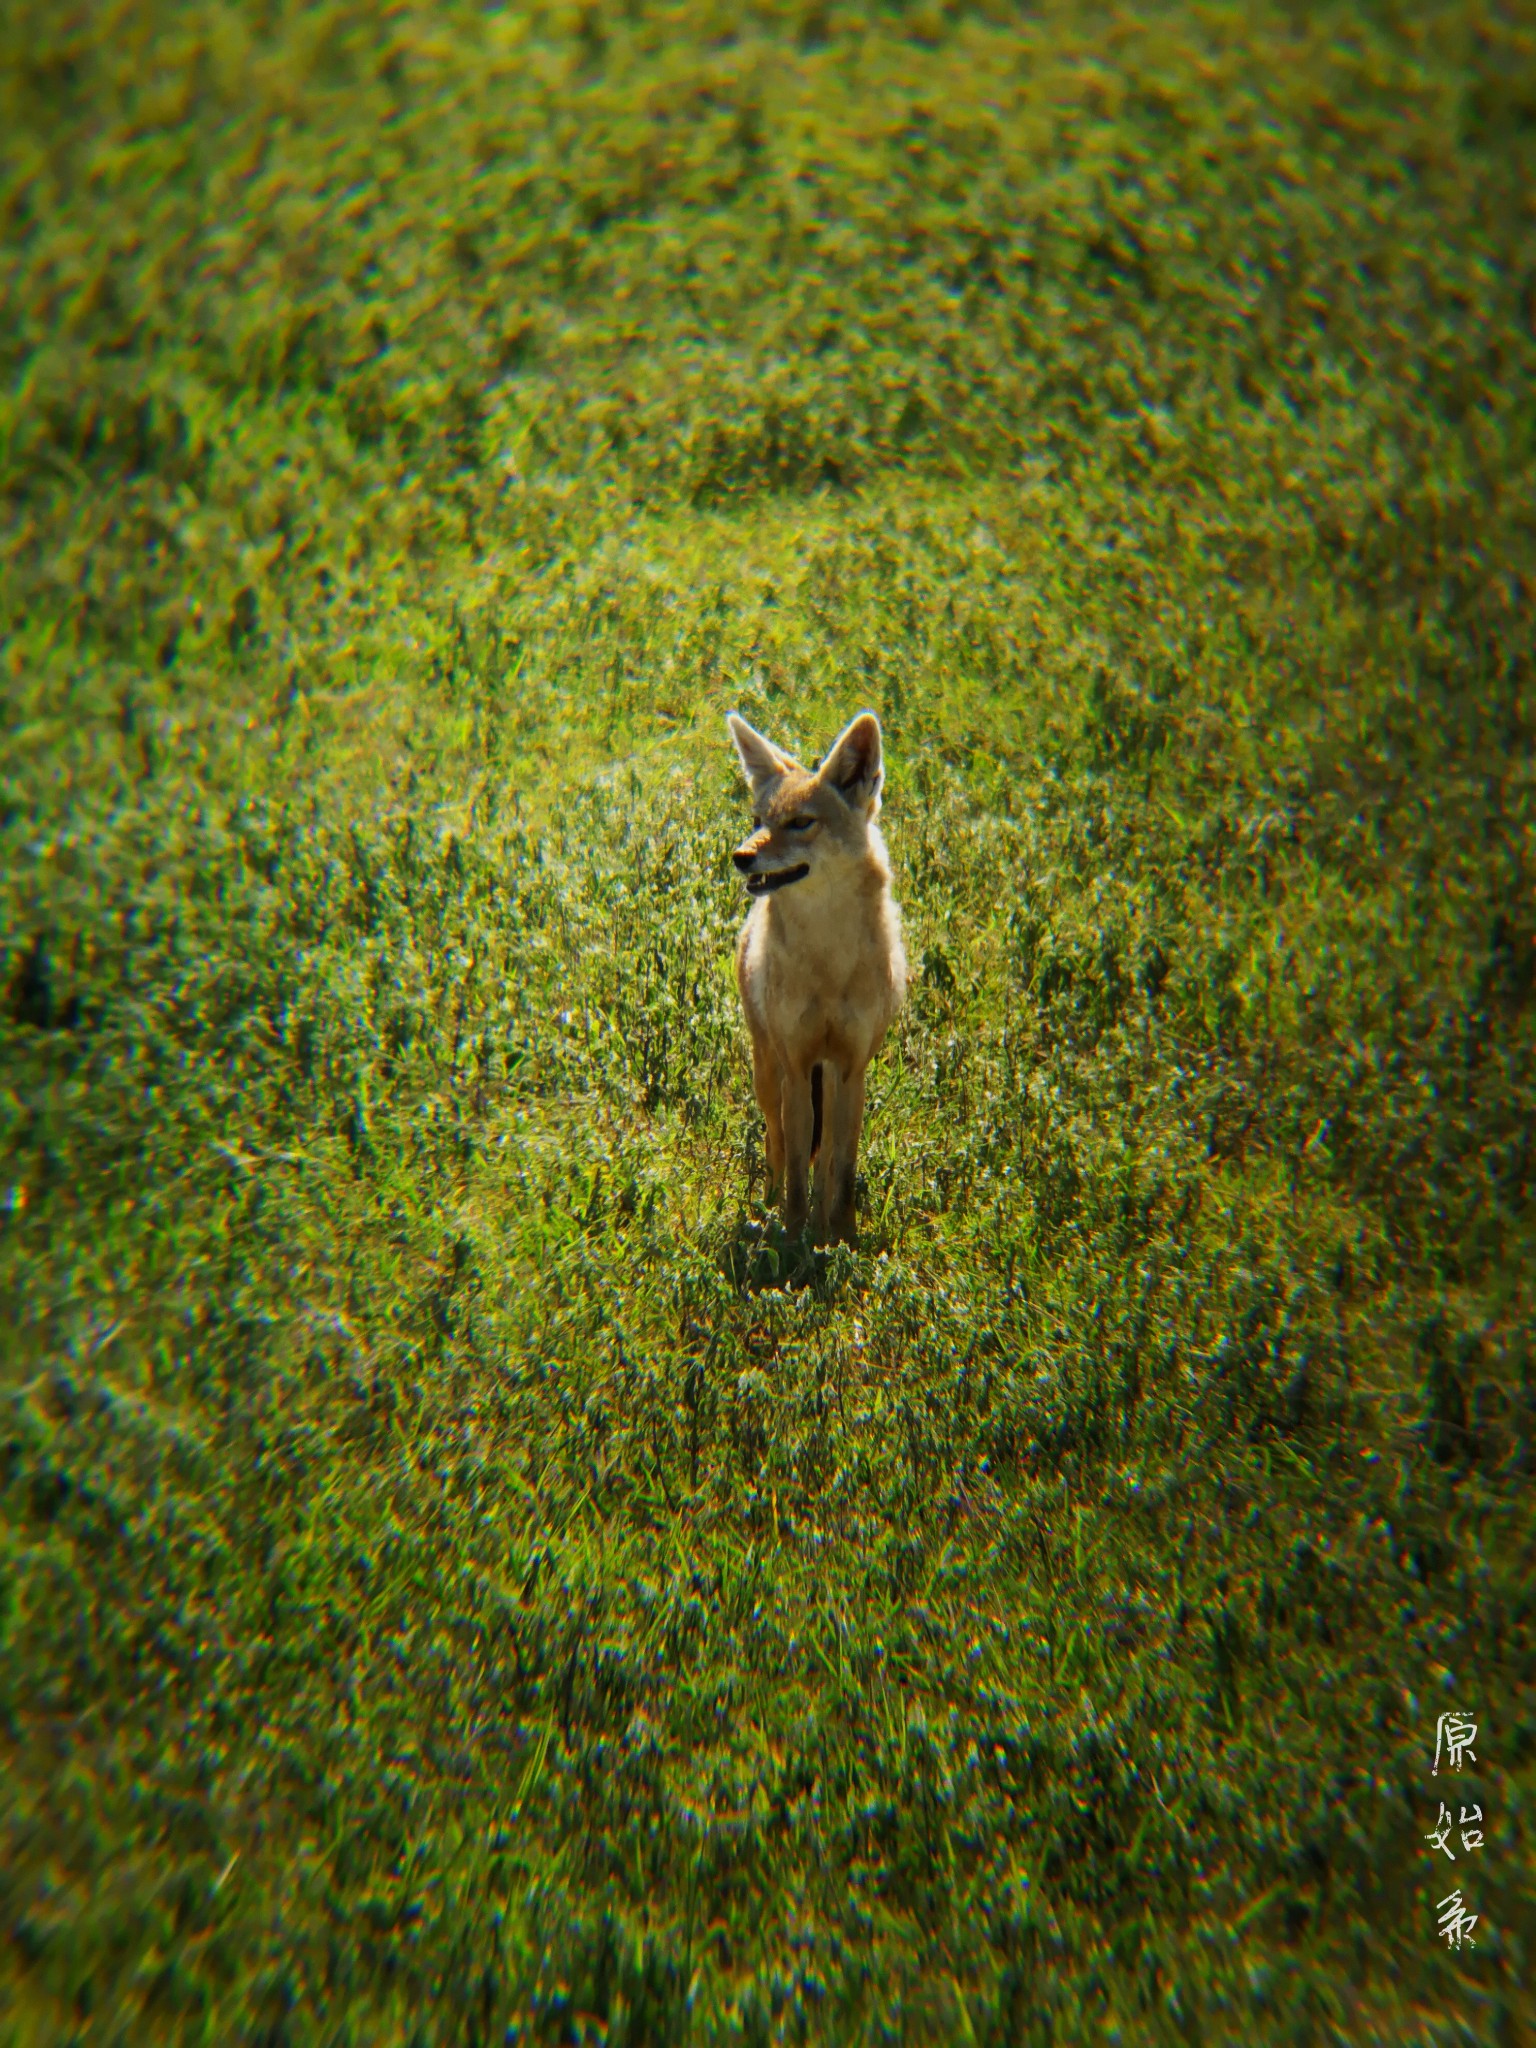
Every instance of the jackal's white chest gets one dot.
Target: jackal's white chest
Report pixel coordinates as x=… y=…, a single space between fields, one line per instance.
x=827 y=979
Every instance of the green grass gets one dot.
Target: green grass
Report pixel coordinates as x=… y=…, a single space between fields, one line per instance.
x=464 y=1578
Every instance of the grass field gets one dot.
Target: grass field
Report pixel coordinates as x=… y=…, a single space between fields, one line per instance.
x=464 y=1577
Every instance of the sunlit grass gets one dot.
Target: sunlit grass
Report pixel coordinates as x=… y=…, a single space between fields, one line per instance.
x=464 y=1577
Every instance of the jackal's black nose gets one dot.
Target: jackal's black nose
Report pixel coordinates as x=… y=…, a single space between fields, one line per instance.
x=743 y=861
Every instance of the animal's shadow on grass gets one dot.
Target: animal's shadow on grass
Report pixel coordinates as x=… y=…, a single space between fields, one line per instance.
x=758 y=1253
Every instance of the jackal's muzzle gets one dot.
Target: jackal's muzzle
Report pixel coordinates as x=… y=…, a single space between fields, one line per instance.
x=774 y=878
x=760 y=882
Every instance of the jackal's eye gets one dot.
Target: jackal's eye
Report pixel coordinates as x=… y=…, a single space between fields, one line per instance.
x=799 y=824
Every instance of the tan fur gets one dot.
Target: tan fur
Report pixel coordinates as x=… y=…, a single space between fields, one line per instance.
x=819 y=963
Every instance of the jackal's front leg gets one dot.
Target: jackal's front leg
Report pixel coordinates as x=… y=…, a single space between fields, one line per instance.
x=799 y=1130
x=824 y=1179
x=768 y=1086
x=843 y=1118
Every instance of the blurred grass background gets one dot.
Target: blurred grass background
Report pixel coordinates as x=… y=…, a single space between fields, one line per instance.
x=463 y=1578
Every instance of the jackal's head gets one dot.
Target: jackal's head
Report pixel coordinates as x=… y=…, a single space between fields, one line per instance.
x=807 y=823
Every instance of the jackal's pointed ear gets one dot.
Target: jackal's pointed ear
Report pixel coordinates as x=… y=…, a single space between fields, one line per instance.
x=855 y=766
x=760 y=759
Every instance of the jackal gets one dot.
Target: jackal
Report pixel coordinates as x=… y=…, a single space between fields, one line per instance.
x=819 y=963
